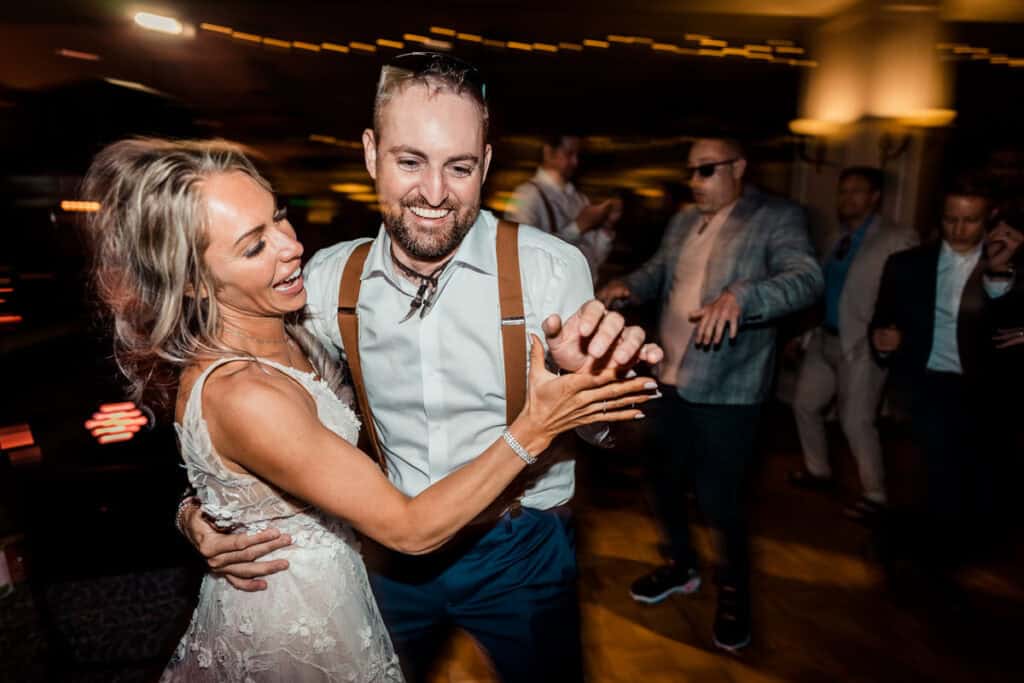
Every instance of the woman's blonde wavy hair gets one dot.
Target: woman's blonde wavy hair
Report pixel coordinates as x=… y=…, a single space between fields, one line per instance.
x=148 y=237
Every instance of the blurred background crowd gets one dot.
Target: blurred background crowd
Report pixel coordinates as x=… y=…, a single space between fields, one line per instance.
x=883 y=510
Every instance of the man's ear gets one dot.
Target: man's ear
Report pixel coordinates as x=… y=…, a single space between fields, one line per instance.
x=739 y=167
x=370 y=152
x=487 y=163
x=547 y=151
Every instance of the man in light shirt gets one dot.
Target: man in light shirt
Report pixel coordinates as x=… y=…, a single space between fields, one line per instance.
x=550 y=202
x=725 y=270
x=929 y=327
x=431 y=354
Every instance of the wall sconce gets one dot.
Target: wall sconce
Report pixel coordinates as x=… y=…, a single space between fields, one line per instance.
x=894 y=143
x=927 y=118
x=816 y=130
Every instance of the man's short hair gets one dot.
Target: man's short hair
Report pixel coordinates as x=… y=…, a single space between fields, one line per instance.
x=970 y=184
x=436 y=71
x=872 y=175
x=555 y=140
x=734 y=146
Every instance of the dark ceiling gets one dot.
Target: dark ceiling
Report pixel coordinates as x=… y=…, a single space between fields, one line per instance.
x=56 y=106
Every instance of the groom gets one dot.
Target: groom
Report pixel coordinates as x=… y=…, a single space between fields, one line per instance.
x=431 y=356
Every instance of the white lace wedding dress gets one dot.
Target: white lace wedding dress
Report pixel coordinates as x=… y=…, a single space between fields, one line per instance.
x=317 y=620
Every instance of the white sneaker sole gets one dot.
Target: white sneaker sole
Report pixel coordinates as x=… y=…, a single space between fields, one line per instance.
x=688 y=588
x=731 y=648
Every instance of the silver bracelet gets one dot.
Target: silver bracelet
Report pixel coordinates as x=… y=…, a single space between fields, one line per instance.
x=182 y=505
x=518 y=448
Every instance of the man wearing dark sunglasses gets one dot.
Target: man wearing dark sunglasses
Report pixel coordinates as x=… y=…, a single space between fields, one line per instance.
x=430 y=348
x=733 y=263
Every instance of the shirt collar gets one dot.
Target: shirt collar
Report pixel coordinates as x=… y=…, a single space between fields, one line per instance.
x=548 y=178
x=723 y=213
x=864 y=225
x=950 y=255
x=476 y=250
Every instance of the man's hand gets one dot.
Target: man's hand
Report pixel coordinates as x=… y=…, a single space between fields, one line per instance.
x=234 y=555
x=1013 y=336
x=614 y=291
x=714 y=318
x=593 y=336
x=594 y=216
x=1001 y=246
x=793 y=350
x=614 y=213
x=886 y=339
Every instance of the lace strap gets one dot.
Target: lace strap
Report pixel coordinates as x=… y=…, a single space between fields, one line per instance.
x=194 y=405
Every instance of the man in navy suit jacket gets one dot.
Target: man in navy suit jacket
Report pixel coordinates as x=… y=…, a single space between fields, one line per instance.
x=930 y=327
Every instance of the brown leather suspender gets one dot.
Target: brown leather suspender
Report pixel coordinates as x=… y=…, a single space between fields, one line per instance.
x=513 y=319
x=348 y=324
x=513 y=327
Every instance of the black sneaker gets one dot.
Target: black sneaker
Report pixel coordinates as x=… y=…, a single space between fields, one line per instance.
x=732 y=619
x=865 y=511
x=802 y=479
x=663 y=582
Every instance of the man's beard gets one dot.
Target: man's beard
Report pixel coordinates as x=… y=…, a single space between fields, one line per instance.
x=433 y=247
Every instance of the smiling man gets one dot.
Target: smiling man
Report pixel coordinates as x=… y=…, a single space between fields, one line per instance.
x=431 y=350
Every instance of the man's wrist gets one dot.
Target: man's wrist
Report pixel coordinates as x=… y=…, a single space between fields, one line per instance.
x=1004 y=273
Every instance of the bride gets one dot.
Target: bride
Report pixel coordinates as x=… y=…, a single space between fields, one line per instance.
x=201 y=274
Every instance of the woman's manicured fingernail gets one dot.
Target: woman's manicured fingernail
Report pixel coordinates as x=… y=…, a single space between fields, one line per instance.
x=639 y=416
x=651 y=385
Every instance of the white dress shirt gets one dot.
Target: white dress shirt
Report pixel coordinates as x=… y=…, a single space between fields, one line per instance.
x=953 y=272
x=566 y=202
x=436 y=385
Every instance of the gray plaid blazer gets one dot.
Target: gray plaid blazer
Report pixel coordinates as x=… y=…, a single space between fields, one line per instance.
x=763 y=255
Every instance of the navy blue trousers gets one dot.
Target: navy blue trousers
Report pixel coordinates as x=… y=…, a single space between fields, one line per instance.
x=512 y=586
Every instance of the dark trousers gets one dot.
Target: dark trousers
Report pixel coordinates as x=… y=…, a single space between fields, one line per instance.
x=513 y=587
x=710 y=446
x=947 y=426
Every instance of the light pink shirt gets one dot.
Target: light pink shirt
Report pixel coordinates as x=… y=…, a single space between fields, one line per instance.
x=676 y=327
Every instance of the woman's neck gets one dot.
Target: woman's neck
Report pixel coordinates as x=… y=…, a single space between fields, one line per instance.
x=260 y=336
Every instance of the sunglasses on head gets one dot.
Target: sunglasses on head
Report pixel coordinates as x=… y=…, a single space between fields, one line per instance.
x=425 y=63
x=707 y=170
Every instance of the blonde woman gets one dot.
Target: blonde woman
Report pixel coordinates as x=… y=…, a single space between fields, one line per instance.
x=201 y=273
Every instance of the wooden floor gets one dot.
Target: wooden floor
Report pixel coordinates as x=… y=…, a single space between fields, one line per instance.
x=824 y=609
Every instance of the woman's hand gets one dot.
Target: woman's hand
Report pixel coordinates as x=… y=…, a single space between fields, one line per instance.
x=555 y=404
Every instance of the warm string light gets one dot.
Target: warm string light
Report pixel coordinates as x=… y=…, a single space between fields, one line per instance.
x=331 y=140
x=962 y=52
x=773 y=51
